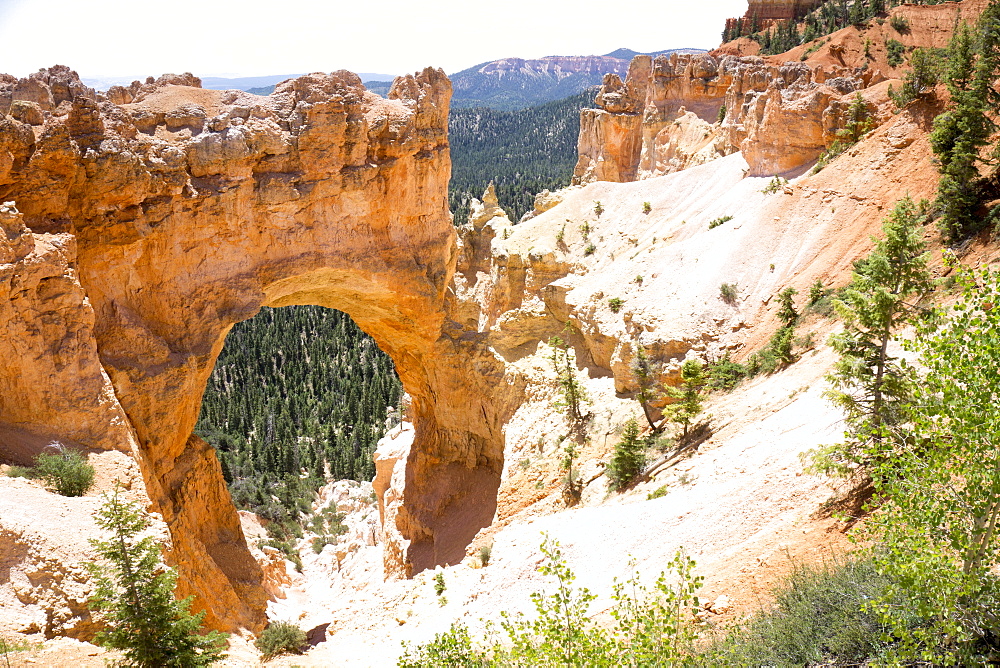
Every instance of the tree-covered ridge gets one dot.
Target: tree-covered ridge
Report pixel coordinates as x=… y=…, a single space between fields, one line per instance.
x=295 y=388
x=829 y=17
x=522 y=152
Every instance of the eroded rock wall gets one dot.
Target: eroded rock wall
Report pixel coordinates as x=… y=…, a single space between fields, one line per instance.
x=165 y=213
x=668 y=115
x=52 y=384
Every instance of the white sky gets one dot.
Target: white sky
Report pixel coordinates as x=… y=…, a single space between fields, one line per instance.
x=251 y=37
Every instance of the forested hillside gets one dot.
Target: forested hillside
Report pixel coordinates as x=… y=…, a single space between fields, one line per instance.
x=300 y=387
x=523 y=152
x=828 y=17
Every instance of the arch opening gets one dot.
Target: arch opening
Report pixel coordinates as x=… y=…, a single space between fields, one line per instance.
x=298 y=397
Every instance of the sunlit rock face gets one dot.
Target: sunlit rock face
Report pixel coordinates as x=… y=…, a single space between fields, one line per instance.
x=145 y=222
x=666 y=116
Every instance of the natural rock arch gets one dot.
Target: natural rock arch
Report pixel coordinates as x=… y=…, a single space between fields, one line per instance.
x=176 y=212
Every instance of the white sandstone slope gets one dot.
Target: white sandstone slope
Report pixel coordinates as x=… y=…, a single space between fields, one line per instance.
x=741 y=505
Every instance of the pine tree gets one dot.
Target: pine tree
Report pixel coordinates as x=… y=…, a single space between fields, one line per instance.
x=920 y=80
x=644 y=372
x=571 y=388
x=963 y=131
x=136 y=599
x=628 y=458
x=690 y=395
x=870 y=385
x=857 y=15
x=786 y=306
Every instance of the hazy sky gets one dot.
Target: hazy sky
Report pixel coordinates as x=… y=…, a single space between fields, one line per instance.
x=250 y=37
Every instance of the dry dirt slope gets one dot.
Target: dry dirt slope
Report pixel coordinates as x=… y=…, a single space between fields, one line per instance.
x=742 y=505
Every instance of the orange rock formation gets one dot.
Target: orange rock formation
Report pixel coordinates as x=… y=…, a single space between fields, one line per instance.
x=145 y=223
x=663 y=117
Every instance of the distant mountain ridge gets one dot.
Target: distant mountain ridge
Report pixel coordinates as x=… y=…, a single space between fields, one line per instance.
x=515 y=83
x=249 y=84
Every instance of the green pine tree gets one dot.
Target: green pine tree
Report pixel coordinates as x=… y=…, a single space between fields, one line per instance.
x=962 y=133
x=628 y=458
x=135 y=597
x=870 y=385
x=690 y=395
x=645 y=374
x=786 y=306
x=570 y=386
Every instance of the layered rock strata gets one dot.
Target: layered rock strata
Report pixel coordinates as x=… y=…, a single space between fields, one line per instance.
x=764 y=13
x=147 y=221
x=666 y=115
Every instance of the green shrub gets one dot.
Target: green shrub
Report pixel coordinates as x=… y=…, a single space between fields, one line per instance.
x=66 y=471
x=627 y=459
x=319 y=542
x=728 y=292
x=819 y=617
x=646 y=207
x=776 y=184
x=778 y=353
x=725 y=374
x=572 y=485
x=280 y=638
x=589 y=250
x=859 y=123
x=920 y=80
x=900 y=24
x=598 y=208
x=439 y=585
x=650 y=628
x=8 y=646
x=21 y=472
x=615 y=304
x=816 y=292
x=287 y=548
x=485 y=552
x=657 y=493
x=719 y=221
x=894 y=52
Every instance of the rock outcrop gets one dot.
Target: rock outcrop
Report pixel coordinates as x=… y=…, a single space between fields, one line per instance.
x=53 y=386
x=666 y=115
x=150 y=220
